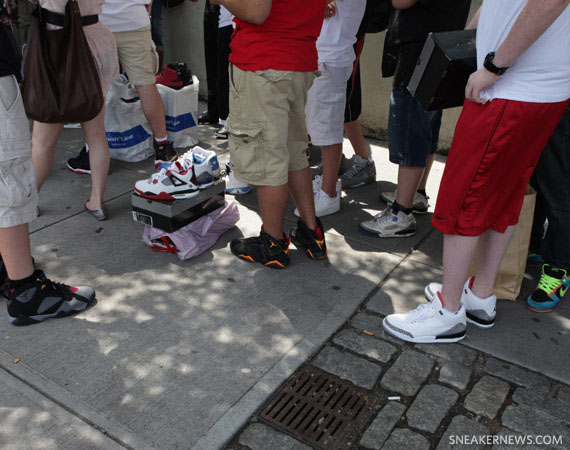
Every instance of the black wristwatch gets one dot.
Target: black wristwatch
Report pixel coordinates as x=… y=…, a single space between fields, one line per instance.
x=490 y=65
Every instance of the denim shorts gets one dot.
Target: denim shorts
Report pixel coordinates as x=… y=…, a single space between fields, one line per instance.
x=413 y=134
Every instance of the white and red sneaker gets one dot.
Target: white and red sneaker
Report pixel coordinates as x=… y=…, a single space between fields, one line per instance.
x=175 y=182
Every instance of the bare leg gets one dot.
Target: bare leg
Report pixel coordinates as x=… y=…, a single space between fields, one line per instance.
x=354 y=132
x=153 y=108
x=301 y=189
x=15 y=251
x=98 y=158
x=331 y=162
x=458 y=251
x=44 y=139
x=427 y=170
x=273 y=201
x=408 y=180
x=491 y=251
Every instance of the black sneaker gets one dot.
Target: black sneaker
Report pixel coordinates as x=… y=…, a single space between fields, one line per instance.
x=207 y=119
x=313 y=242
x=3 y=279
x=44 y=299
x=80 y=164
x=263 y=249
x=164 y=153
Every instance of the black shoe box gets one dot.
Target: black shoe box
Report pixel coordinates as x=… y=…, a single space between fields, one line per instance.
x=443 y=68
x=170 y=216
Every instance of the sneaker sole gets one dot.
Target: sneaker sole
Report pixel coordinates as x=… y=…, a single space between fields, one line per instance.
x=308 y=252
x=31 y=320
x=166 y=196
x=79 y=171
x=429 y=295
x=423 y=339
x=377 y=234
x=237 y=191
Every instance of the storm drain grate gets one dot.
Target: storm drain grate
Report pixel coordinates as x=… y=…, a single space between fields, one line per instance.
x=320 y=409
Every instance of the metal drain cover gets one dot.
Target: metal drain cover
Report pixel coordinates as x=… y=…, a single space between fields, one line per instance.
x=319 y=409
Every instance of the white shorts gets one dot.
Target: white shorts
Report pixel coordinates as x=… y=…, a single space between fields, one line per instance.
x=18 y=193
x=325 y=105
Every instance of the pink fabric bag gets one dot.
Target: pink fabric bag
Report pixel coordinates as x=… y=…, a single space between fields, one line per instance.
x=196 y=237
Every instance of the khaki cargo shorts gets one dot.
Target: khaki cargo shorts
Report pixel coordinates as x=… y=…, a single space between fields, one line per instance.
x=137 y=55
x=18 y=193
x=266 y=124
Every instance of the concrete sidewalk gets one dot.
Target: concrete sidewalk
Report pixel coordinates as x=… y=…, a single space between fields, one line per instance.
x=181 y=354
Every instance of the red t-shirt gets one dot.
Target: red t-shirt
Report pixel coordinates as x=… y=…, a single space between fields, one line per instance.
x=285 y=41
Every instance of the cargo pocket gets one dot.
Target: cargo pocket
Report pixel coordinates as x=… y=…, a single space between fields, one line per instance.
x=245 y=144
x=331 y=107
x=17 y=182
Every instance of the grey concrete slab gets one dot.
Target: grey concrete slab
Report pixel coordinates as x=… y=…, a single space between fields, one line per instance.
x=546 y=337
x=174 y=348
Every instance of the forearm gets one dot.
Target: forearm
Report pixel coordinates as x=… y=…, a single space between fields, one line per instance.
x=403 y=4
x=535 y=18
x=474 y=21
x=254 y=11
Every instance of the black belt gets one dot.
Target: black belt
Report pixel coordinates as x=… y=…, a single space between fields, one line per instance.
x=58 y=20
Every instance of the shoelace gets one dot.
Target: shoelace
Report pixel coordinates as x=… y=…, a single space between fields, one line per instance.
x=548 y=283
x=160 y=174
x=384 y=216
x=354 y=170
x=60 y=288
x=422 y=312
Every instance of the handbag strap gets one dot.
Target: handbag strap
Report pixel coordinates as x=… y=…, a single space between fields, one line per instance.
x=59 y=20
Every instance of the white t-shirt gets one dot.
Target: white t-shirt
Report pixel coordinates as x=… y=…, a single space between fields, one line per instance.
x=542 y=73
x=338 y=33
x=125 y=15
x=225 y=19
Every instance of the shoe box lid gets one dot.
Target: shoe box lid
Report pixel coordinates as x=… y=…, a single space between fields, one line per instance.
x=169 y=216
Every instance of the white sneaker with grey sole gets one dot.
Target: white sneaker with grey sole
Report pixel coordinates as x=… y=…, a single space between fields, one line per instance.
x=421 y=204
x=390 y=224
x=481 y=312
x=428 y=323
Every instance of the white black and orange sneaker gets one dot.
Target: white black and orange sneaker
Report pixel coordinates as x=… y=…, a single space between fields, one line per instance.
x=312 y=241
x=263 y=249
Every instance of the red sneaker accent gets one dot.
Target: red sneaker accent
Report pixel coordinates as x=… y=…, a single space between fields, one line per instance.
x=441 y=301
x=169 y=77
x=471 y=281
x=73 y=289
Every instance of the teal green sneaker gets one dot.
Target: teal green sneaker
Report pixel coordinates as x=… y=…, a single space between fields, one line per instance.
x=534 y=259
x=552 y=287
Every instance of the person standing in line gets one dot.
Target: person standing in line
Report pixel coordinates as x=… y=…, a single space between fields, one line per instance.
x=514 y=102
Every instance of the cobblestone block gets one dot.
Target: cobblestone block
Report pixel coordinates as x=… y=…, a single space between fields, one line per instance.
x=487 y=396
x=380 y=429
x=510 y=440
x=344 y=365
x=408 y=372
x=514 y=374
x=455 y=375
x=430 y=407
x=452 y=352
x=462 y=428
x=540 y=398
x=372 y=324
x=258 y=436
x=531 y=421
x=402 y=438
x=365 y=345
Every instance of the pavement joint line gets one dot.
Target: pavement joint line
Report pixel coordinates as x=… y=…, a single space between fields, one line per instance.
x=78 y=213
x=56 y=400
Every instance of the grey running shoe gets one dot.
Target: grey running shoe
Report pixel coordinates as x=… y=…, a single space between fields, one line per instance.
x=362 y=172
x=318 y=169
x=421 y=204
x=44 y=299
x=390 y=224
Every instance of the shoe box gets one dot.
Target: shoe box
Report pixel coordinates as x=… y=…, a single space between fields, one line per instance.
x=443 y=68
x=170 y=216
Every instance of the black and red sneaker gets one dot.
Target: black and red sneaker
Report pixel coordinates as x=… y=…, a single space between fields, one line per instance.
x=80 y=164
x=263 y=249
x=163 y=153
x=312 y=241
x=175 y=76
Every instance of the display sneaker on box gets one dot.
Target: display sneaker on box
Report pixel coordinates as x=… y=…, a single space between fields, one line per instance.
x=175 y=76
x=233 y=185
x=324 y=204
x=312 y=241
x=428 y=323
x=553 y=285
x=421 y=203
x=361 y=172
x=177 y=181
x=200 y=155
x=263 y=249
x=44 y=299
x=80 y=164
x=390 y=224
x=480 y=312
x=164 y=153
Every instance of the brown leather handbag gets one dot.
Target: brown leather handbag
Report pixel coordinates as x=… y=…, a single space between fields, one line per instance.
x=61 y=81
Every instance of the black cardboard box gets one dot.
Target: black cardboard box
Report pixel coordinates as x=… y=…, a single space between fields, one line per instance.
x=443 y=68
x=170 y=216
